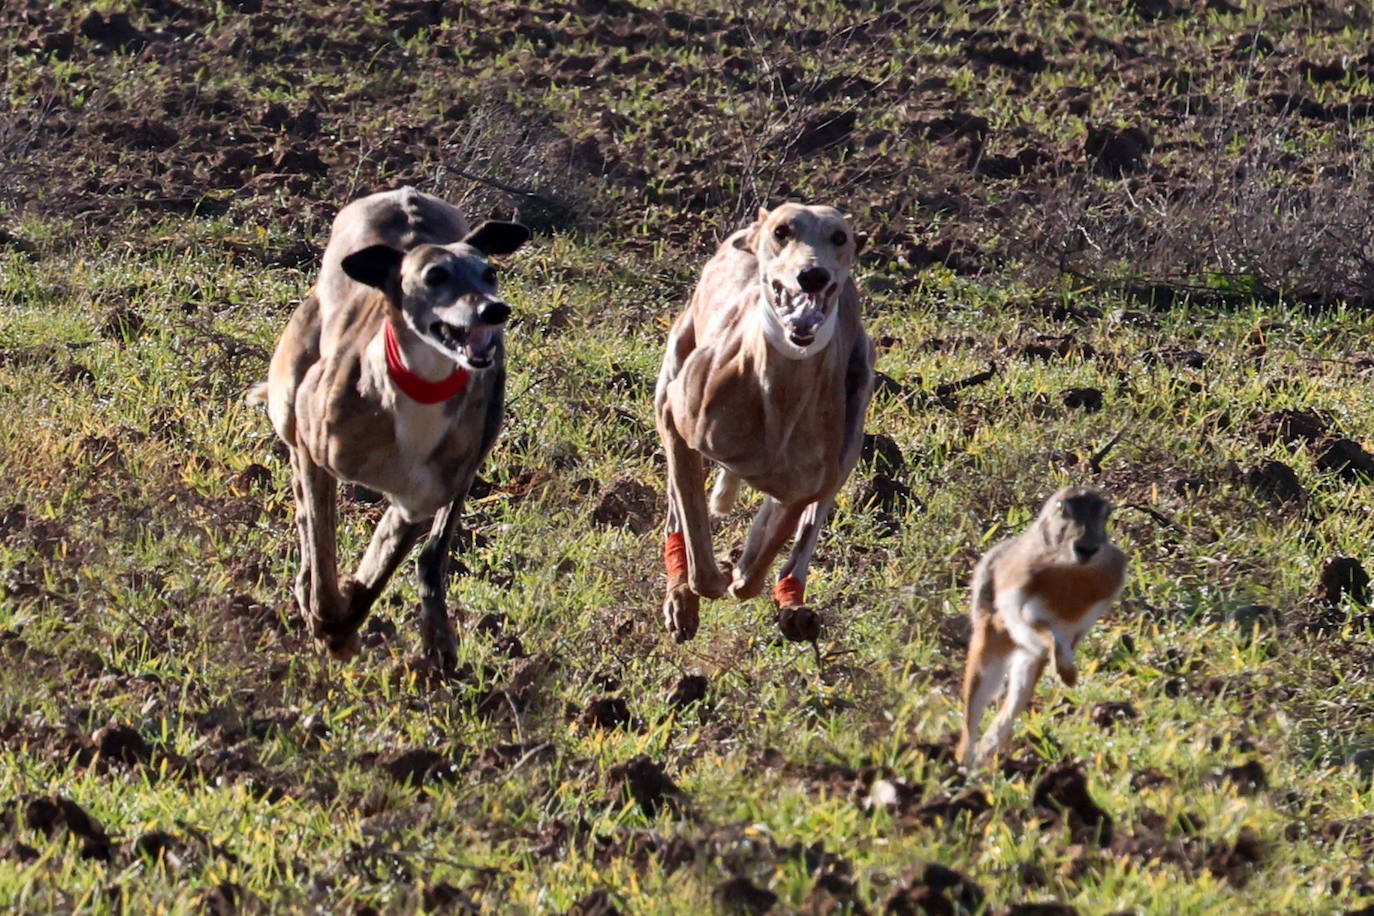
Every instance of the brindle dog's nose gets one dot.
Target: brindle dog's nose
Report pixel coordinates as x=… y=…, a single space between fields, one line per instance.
x=494 y=312
x=813 y=279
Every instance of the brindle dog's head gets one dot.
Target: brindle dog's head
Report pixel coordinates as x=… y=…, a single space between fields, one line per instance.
x=805 y=255
x=446 y=293
x=1073 y=522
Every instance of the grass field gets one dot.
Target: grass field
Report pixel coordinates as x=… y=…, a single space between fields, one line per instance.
x=1181 y=321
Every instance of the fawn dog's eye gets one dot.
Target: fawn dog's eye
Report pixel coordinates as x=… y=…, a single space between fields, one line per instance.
x=1063 y=508
x=782 y=233
x=436 y=276
x=489 y=276
x=839 y=238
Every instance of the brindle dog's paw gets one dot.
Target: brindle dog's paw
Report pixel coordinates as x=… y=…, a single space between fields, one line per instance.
x=681 y=613
x=799 y=623
x=440 y=642
x=340 y=646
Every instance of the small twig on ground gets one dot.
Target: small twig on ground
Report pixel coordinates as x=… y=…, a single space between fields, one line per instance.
x=1095 y=462
x=947 y=388
x=1158 y=516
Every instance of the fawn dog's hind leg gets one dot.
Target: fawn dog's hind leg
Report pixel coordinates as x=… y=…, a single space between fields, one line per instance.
x=724 y=492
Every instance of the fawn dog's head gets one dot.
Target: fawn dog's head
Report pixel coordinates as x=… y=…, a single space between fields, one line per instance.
x=1073 y=524
x=805 y=254
x=446 y=294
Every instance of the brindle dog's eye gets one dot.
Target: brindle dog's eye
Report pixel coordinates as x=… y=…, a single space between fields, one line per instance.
x=489 y=276
x=839 y=238
x=782 y=233
x=436 y=276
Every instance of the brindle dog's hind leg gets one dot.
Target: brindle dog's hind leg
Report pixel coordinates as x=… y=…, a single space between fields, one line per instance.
x=317 y=521
x=436 y=632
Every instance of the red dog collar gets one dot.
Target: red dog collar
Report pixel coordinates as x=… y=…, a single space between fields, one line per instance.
x=417 y=387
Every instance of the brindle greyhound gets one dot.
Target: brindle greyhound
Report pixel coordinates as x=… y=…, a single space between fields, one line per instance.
x=767 y=374
x=1034 y=596
x=391 y=374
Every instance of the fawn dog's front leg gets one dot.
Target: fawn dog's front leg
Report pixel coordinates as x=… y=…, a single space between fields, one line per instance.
x=688 y=541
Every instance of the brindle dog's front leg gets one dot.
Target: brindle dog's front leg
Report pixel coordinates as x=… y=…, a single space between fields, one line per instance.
x=317 y=586
x=389 y=545
x=436 y=632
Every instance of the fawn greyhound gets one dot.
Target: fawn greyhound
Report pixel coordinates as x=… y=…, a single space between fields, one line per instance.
x=768 y=374
x=1034 y=596
x=390 y=374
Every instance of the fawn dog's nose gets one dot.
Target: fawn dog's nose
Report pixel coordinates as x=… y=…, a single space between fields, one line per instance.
x=494 y=312
x=813 y=279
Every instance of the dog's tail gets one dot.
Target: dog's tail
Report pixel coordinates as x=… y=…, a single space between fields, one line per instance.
x=256 y=395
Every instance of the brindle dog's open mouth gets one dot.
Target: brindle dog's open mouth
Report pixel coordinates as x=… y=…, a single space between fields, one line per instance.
x=476 y=343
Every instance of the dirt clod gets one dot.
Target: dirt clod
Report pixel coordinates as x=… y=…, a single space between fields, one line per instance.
x=120 y=742
x=1235 y=861
x=627 y=503
x=1342 y=577
x=1347 y=458
x=1063 y=792
x=1276 y=481
x=647 y=784
x=1089 y=399
x=934 y=890
x=593 y=903
x=740 y=895
x=604 y=712
x=690 y=688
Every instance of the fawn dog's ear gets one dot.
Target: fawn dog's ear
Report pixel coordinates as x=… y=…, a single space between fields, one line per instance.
x=374 y=265
x=750 y=240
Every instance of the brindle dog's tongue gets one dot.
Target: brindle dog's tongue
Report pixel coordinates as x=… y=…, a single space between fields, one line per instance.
x=479 y=343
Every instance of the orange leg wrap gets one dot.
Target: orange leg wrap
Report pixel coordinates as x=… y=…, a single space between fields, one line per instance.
x=675 y=559
x=789 y=592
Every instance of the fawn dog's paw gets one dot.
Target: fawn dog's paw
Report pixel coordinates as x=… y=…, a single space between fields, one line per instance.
x=742 y=587
x=799 y=623
x=709 y=583
x=681 y=613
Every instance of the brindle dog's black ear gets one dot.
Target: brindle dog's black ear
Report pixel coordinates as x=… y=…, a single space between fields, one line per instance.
x=495 y=237
x=374 y=265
